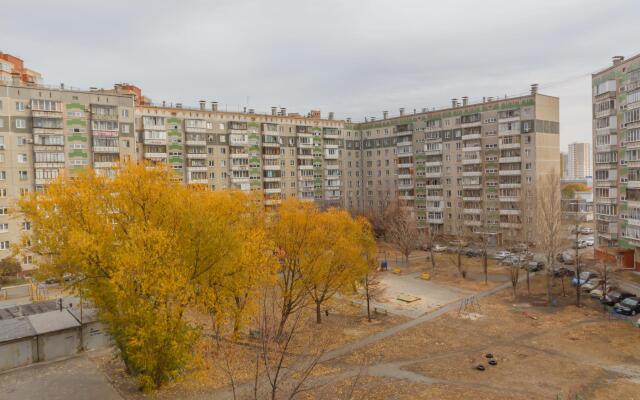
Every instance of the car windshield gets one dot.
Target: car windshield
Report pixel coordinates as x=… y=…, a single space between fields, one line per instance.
x=630 y=302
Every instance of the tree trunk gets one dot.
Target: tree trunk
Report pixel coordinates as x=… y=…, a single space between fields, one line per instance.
x=528 y=282
x=318 y=313
x=548 y=286
x=485 y=266
x=433 y=261
x=406 y=260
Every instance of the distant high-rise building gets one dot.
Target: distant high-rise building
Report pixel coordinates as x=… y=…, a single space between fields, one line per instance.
x=564 y=166
x=579 y=161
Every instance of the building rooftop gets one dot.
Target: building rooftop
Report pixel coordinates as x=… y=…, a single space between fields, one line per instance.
x=52 y=321
x=15 y=328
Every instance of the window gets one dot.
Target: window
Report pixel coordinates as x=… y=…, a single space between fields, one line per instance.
x=22 y=158
x=3 y=192
x=4 y=211
x=22 y=175
x=19 y=106
x=27 y=259
x=21 y=123
x=125 y=113
x=125 y=128
x=4 y=245
x=3 y=175
x=4 y=228
x=1 y=123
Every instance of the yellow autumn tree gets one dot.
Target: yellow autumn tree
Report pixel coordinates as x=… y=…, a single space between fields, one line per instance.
x=338 y=258
x=145 y=249
x=320 y=254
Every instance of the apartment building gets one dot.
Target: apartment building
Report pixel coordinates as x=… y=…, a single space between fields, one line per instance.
x=12 y=69
x=579 y=161
x=462 y=169
x=616 y=154
x=470 y=168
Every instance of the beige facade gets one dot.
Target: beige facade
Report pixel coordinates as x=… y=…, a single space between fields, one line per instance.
x=464 y=169
x=616 y=154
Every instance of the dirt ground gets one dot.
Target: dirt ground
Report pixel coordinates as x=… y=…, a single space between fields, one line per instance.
x=542 y=352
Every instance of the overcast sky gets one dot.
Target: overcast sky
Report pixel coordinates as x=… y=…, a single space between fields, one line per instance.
x=356 y=58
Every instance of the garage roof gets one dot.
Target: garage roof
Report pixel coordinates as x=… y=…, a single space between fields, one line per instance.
x=52 y=321
x=15 y=328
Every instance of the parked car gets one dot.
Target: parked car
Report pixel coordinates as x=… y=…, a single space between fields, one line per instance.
x=585 y=230
x=598 y=293
x=581 y=244
x=470 y=252
x=585 y=276
x=561 y=270
x=438 y=248
x=534 y=266
x=501 y=255
x=628 y=306
x=615 y=296
x=51 y=280
x=567 y=258
x=589 y=241
x=592 y=284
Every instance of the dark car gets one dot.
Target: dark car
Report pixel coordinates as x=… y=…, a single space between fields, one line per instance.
x=469 y=252
x=615 y=296
x=534 y=266
x=628 y=306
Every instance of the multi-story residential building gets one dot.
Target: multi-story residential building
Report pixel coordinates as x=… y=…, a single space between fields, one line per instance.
x=579 y=161
x=468 y=168
x=564 y=166
x=12 y=70
x=463 y=169
x=616 y=154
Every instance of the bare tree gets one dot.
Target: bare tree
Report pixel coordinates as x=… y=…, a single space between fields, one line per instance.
x=578 y=220
x=371 y=286
x=401 y=229
x=430 y=243
x=549 y=222
x=283 y=367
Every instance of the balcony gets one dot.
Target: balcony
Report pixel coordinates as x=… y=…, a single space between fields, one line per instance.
x=509 y=172
x=471 y=198
x=472 y=223
x=406 y=197
x=468 y=161
x=511 y=225
x=405 y=176
x=433 y=174
x=196 y=142
x=510 y=212
x=435 y=220
x=471 y=173
x=106 y=149
x=196 y=169
x=510 y=198
x=405 y=185
x=509 y=145
x=105 y=164
x=509 y=185
x=305 y=167
x=433 y=198
x=475 y=211
x=404 y=143
x=198 y=181
x=239 y=155
x=431 y=151
x=633 y=184
x=472 y=148
x=331 y=155
x=472 y=136
x=516 y=159
x=238 y=140
x=155 y=155
x=405 y=165
x=433 y=163
x=275 y=167
x=272 y=190
x=197 y=156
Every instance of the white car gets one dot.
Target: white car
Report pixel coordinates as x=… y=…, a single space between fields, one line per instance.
x=586 y=230
x=438 y=248
x=588 y=241
x=501 y=255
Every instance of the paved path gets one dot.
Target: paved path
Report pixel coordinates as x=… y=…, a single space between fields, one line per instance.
x=75 y=378
x=226 y=393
